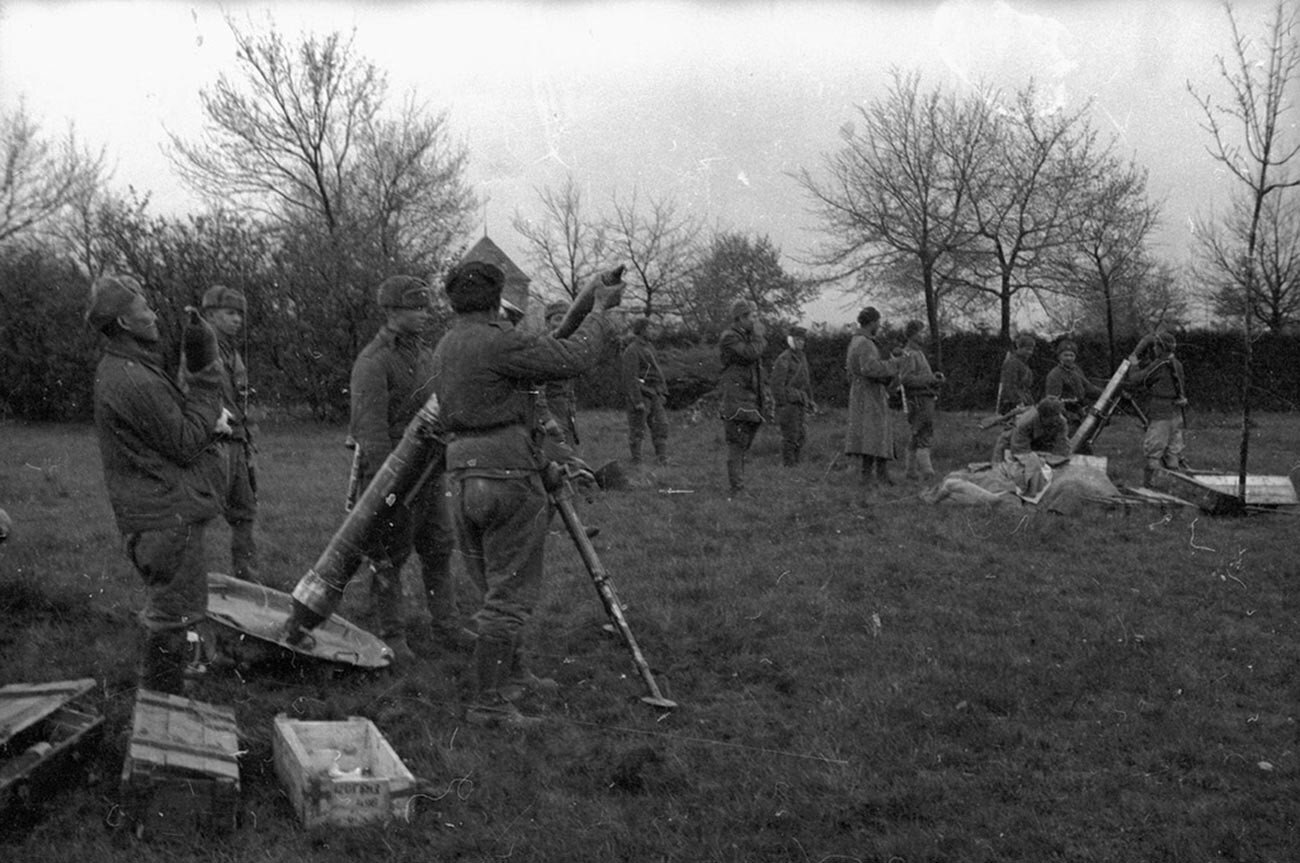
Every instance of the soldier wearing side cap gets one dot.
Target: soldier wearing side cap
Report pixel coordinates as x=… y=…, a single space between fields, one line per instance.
x=1016 y=380
x=485 y=372
x=163 y=466
x=1068 y=383
x=226 y=310
x=392 y=378
x=645 y=388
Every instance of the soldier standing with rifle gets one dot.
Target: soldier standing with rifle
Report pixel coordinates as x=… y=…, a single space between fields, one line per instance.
x=645 y=389
x=391 y=378
x=1016 y=381
x=163 y=465
x=792 y=394
x=921 y=391
x=225 y=309
x=484 y=370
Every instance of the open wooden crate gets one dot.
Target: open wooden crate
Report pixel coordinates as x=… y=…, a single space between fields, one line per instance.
x=48 y=735
x=341 y=773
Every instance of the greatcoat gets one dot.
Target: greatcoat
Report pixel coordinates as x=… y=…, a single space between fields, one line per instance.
x=870 y=428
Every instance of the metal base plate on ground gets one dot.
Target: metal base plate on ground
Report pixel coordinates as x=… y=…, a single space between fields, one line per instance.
x=259 y=611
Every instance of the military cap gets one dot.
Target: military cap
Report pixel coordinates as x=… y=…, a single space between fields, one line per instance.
x=798 y=332
x=739 y=307
x=1025 y=340
x=868 y=316
x=474 y=286
x=403 y=292
x=1067 y=345
x=110 y=297
x=221 y=297
x=1050 y=406
x=638 y=325
x=1166 y=340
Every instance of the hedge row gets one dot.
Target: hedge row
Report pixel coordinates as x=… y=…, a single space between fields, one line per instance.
x=971 y=362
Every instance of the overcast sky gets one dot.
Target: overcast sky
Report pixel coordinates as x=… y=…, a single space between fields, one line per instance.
x=713 y=103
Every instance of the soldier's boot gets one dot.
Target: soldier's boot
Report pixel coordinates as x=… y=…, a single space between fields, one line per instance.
x=243 y=552
x=661 y=452
x=445 y=631
x=736 y=474
x=634 y=450
x=489 y=706
x=163 y=655
x=911 y=471
x=867 y=475
x=1148 y=473
x=882 y=471
x=386 y=595
x=923 y=463
x=521 y=679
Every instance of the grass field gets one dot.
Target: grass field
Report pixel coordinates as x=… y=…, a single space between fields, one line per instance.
x=859 y=679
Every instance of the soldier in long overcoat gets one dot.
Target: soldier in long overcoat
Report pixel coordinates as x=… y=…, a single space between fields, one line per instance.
x=870 y=430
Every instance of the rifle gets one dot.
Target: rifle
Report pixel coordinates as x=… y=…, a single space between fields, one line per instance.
x=561 y=494
x=990 y=422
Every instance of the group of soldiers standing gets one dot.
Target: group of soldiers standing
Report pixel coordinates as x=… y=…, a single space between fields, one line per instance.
x=178 y=450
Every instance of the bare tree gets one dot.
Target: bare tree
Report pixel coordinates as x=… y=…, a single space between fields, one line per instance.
x=40 y=178
x=1029 y=199
x=902 y=185
x=565 y=244
x=1104 y=263
x=1275 y=302
x=659 y=244
x=1262 y=83
x=301 y=138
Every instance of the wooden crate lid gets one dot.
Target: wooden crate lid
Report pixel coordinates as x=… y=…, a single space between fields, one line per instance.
x=24 y=704
x=1260 y=490
x=179 y=735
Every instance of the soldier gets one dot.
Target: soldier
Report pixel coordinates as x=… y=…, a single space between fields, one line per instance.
x=1040 y=428
x=1016 y=382
x=163 y=466
x=484 y=371
x=391 y=378
x=920 y=392
x=646 y=389
x=744 y=388
x=792 y=395
x=1162 y=389
x=1068 y=383
x=226 y=309
x=560 y=397
x=870 y=432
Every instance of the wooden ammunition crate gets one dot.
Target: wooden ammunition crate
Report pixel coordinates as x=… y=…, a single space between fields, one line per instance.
x=1186 y=487
x=181 y=774
x=48 y=738
x=341 y=773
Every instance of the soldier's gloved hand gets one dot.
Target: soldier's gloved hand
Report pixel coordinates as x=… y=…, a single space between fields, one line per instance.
x=608 y=296
x=580 y=473
x=198 y=341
